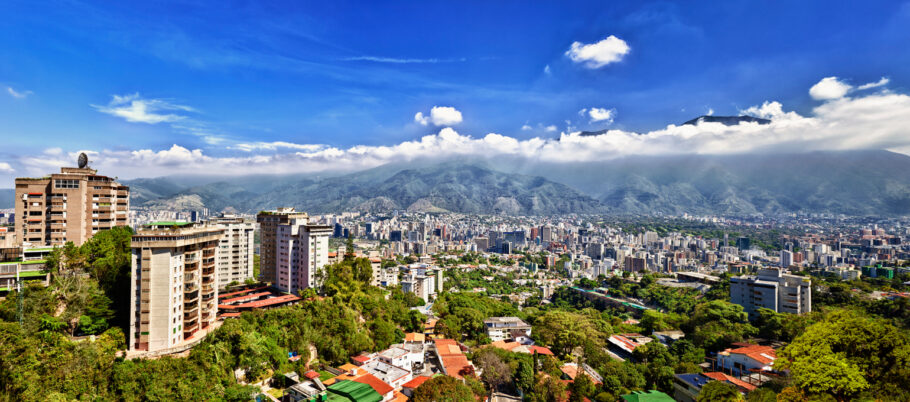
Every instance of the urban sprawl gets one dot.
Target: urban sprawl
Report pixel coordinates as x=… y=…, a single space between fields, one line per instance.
x=500 y=308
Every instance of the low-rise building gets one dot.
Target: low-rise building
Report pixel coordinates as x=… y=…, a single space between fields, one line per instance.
x=772 y=289
x=745 y=359
x=499 y=328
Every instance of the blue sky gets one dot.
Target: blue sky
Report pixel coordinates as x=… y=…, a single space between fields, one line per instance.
x=217 y=76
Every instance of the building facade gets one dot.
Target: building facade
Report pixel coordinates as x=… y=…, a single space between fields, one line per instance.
x=300 y=249
x=71 y=206
x=269 y=222
x=235 y=261
x=772 y=289
x=173 y=288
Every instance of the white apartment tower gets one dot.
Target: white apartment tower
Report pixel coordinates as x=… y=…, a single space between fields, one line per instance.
x=301 y=251
x=772 y=289
x=235 y=261
x=173 y=292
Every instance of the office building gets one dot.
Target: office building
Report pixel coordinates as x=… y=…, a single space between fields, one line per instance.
x=71 y=206
x=173 y=287
x=235 y=261
x=772 y=289
x=298 y=249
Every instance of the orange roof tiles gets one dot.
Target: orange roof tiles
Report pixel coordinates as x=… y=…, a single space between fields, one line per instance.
x=733 y=380
x=416 y=382
x=455 y=364
x=381 y=387
x=223 y=295
x=414 y=337
x=761 y=354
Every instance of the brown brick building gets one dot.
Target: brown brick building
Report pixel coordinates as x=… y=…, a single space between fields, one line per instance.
x=71 y=206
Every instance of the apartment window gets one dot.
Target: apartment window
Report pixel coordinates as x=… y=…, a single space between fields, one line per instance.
x=66 y=183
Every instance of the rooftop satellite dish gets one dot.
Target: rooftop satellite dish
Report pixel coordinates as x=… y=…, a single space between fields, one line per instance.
x=83 y=160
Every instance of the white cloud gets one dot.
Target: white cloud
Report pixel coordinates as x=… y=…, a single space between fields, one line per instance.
x=526 y=128
x=710 y=111
x=551 y=128
x=596 y=55
x=275 y=145
x=601 y=114
x=133 y=108
x=18 y=94
x=439 y=116
x=5 y=167
x=829 y=88
x=870 y=121
x=880 y=83
x=546 y=69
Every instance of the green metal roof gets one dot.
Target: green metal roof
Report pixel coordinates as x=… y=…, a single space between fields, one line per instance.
x=33 y=262
x=647 y=396
x=169 y=223
x=31 y=274
x=40 y=249
x=347 y=390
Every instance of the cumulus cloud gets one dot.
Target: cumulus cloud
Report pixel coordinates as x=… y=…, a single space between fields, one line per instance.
x=834 y=88
x=551 y=128
x=866 y=121
x=134 y=109
x=439 y=116
x=595 y=55
x=597 y=114
x=829 y=88
x=5 y=167
x=18 y=94
x=526 y=128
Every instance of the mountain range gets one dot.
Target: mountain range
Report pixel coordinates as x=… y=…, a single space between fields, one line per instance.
x=852 y=183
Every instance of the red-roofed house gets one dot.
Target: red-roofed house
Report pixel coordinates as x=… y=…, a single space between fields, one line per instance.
x=360 y=360
x=743 y=360
x=409 y=387
x=454 y=362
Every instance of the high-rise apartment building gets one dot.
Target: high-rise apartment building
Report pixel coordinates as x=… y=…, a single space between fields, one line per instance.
x=173 y=287
x=298 y=249
x=71 y=206
x=269 y=222
x=772 y=289
x=235 y=260
x=786 y=258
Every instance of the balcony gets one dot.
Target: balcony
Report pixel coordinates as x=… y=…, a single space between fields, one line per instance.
x=191 y=266
x=191 y=315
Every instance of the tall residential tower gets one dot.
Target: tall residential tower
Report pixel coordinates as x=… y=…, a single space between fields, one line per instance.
x=296 y=249
x=173 y=287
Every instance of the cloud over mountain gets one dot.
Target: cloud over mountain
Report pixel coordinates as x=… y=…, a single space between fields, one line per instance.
x=878 y=120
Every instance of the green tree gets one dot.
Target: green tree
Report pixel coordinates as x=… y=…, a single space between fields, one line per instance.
x=847 y=353
x=581 y=388
x=761 y=395
x=719 y=391
x=443 y=389
x=524 y=376
x=717 y=324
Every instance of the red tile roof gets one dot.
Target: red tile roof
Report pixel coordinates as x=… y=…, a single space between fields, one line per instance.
x=311 y=374
x=761 y=354
x=416 y=382
x=381 y=387
x=361 y=358
x=733 y=380
x=540 y=350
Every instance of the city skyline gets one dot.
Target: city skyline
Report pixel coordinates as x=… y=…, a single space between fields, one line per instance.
x=292 y=89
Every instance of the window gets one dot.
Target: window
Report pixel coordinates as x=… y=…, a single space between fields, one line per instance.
x=66 y=183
